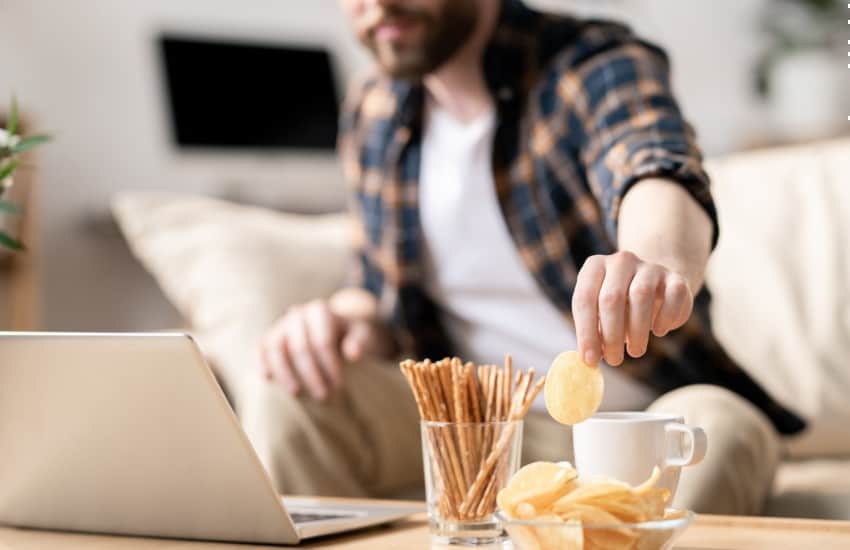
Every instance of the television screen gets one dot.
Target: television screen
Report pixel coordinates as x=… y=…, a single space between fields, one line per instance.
x=230 y=95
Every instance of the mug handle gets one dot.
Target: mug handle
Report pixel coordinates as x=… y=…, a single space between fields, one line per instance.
x=698 y=447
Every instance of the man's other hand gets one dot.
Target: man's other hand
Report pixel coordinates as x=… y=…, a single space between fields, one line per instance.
x=307 y=347
x=619 y=299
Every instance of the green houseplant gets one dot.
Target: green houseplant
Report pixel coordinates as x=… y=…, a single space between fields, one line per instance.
x=793 y=26
x=12 y=145
x=801 y=75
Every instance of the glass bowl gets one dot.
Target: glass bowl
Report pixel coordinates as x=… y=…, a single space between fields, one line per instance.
x=559 y=535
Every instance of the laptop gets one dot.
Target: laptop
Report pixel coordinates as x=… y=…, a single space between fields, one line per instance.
x=131 y=434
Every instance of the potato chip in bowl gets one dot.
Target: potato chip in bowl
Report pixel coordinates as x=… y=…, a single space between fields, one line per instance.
x=548 y=506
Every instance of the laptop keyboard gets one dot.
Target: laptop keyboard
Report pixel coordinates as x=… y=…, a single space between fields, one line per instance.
x=304 y=517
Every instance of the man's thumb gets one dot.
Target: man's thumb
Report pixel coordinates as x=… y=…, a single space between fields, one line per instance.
x=356 y=341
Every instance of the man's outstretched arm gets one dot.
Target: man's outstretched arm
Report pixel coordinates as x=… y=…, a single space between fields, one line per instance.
x=664 y=241
x=645 y=170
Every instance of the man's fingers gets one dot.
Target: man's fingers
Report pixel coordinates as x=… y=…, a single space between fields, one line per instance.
x=644 y=302
x=355 y=344
x=301 y=355
x=677 y=305
x=687 y=308
x=362 y=339
x=323 y=337
x=276 y=365
x=613 y=295
x=585 y=309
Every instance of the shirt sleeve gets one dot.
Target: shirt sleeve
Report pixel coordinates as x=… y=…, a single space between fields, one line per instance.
x=628 y=124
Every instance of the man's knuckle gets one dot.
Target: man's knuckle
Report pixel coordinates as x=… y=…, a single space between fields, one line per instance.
x=595 y=261
x=678 y=288
x=625 y=256
x=297 y=346
x=641 y=292
x=323 y=341
x=589 y=337
x=612 y=299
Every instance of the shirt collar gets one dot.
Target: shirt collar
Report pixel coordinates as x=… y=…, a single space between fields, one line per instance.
x=510 y=58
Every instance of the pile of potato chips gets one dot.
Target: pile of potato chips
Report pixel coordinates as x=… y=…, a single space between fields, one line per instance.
x=593 y=513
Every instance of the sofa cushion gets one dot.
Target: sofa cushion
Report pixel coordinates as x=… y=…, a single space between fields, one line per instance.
x=231 y=270
x=781 y=281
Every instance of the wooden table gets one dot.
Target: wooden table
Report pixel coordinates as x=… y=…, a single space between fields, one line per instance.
x=707 y=533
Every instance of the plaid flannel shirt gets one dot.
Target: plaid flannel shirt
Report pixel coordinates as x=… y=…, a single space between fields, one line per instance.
x=585 y=110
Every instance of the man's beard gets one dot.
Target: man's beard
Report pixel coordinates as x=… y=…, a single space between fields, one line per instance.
x=443 y=35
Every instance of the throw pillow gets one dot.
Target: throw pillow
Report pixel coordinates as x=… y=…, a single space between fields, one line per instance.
x=231 y=270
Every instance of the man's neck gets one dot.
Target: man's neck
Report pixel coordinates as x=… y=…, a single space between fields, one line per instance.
x=459 y=86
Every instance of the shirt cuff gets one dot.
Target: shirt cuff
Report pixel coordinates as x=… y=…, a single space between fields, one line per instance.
x=686 y=172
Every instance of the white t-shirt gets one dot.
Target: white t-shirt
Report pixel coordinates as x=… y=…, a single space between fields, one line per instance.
x=490 y=304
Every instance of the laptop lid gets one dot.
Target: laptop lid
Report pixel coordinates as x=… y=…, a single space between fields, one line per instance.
x=127 y=434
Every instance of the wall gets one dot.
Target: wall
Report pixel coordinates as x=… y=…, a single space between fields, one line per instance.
x=89 y=66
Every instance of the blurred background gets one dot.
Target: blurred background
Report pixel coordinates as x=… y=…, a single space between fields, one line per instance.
x=196 y=96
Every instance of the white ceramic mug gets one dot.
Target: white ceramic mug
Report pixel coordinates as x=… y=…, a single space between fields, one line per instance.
x=627 y=445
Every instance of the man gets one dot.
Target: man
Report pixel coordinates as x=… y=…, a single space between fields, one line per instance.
x=522 y=184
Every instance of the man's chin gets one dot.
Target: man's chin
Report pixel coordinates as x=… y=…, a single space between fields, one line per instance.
x=404 y=65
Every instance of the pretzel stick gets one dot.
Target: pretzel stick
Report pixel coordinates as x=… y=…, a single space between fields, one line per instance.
x=472 y=386
x=474 y=492
x=451 y=472
x=444 y=378
x=470 y=429
x=452 y=379
x=468 y=454
x=460 y=426
x=522 y=388
x=486 y=387
x=530 y=376
x=491 y=393
x=488 y=499
x=500 y=394
x=481 y=509
x=517 y=379
x=450 y=501
x=451 y=448
x=508 y=372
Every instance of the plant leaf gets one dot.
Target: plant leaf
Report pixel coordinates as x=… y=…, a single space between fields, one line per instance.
x=28 y=143
x=9 y=208
x=12 y=125
x=7 y=170
x=8 y=242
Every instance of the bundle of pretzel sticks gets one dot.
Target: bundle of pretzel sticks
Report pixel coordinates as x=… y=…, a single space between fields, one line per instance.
x=471 y=451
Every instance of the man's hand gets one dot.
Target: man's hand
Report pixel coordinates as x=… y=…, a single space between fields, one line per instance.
x=619 y=299
x=306 y=348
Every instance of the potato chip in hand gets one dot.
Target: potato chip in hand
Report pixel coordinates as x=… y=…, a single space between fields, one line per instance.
x=573 y=390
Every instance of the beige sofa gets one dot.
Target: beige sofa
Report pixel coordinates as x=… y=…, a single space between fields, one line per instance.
x=780 y=275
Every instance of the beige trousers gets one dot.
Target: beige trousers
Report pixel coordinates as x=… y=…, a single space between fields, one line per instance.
x=364 y=441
